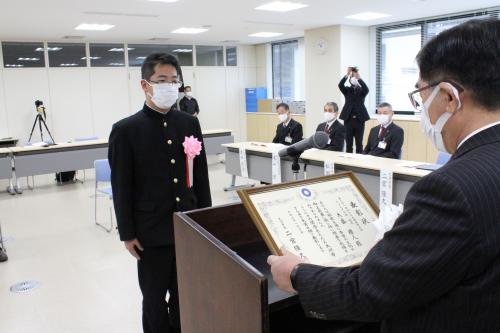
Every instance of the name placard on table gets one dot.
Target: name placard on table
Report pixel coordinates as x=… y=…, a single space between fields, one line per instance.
x=325 y=220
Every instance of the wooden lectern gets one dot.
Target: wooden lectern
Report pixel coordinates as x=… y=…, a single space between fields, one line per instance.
x=225 y=284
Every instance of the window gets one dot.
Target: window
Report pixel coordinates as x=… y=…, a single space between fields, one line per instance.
x=138 y=52
x=67 y=55
x=284 y=58
x=397 y=66
x=231 y=56
x=209 y=56
x=19 y=55
x=397 y=48
x=107 y=55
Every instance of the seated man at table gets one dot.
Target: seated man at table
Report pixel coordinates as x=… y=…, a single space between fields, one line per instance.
x=386 y=139
x=289 y=131
x=331 y=126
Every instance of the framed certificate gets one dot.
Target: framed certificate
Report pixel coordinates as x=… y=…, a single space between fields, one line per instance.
x=325 y=220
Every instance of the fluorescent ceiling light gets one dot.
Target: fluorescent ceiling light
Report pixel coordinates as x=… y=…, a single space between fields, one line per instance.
x=116 y=64
x=189 y=30
x=91 y=58
x=94 y=27
x=266 y=34
x=68 y=65
x=281 y=6
x=367 y=16
x=183 y=51
x=28 y=59
x=41 y=49
x=166 y=1
x=140 y=58
x=9 y=65
x=120 y=49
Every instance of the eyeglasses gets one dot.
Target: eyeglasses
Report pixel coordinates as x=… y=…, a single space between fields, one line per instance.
x=174 y=83
x=416 y=98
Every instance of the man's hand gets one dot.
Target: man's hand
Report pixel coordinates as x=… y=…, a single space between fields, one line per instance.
x=195 y=114
x=349 y=71
x=131 y=246
x=281 y=267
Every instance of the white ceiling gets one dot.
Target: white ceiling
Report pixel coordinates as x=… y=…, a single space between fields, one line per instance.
x=33 y=20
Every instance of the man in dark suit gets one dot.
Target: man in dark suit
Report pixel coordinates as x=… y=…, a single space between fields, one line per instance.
x=354 y=113
x=438 y=269
x=386 y=139
x=331 y=126
x=188 y=103
x=288 y=131
x=149 y=181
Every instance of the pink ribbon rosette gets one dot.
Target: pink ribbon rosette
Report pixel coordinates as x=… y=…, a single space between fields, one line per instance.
x=192 y=148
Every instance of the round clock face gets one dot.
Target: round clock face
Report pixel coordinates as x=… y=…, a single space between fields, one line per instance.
x=321 y=45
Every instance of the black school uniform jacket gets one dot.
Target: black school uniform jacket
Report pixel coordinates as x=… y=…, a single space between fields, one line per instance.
x=148 y=174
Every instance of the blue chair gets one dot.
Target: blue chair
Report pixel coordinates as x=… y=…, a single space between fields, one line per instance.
x=103 y=175
x=80 y=139
x=443 y=158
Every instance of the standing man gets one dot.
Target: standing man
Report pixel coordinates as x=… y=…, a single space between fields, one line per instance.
x=332 y=127
x=386 y=139
x=288 y=131
x=438 y=269
x=149 y=181
x=354 y=113
x=188 y=103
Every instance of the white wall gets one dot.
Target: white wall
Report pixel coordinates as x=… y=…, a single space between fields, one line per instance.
x=87 y=101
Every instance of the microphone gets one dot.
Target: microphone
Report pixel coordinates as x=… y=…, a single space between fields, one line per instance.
x=317 y=140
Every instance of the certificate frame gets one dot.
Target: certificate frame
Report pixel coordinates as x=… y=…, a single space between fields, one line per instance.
x=245 y=196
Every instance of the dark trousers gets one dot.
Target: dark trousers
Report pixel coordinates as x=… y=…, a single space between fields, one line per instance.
x=157 y=276
x=355 y=129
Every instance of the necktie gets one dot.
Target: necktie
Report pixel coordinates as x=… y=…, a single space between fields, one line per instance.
x=381 y=132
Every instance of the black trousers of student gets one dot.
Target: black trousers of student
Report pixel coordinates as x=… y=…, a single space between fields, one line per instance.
x=355 y=129
x=157 y=276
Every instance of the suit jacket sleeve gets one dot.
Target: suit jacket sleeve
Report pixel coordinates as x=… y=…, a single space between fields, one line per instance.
x=427 y=253
x=342 y=85
x=122 y=182
x=339 y=138
x=297 y=133
x=197 y=108
x=201 y=184
x=368 y=146
x=396 y=145
x=364 y=87
x=182 y=104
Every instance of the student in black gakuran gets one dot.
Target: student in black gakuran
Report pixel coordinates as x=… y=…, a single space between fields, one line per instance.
x=188 y=103
x=152 y=177
x=288 y=131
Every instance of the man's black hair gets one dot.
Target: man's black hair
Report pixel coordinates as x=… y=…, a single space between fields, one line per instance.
x=149 y=64
x=283 y=105
x=469 y=55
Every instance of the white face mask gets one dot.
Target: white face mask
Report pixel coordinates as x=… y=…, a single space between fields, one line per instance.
x=164 y=94
x=189 y=94
x=354 y=81
x=434 y=131
x=383 y=119
x=329 y=116
x=283 y=117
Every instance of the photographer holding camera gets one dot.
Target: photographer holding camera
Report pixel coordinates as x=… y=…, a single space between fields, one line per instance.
x=354 y=113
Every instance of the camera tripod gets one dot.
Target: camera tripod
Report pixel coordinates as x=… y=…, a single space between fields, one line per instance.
x=41 y=121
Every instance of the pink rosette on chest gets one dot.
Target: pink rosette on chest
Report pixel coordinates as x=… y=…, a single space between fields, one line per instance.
x=192 y=148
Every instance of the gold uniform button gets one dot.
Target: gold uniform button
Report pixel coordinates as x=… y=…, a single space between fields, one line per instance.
x=175 y=180
x=178 y=199
x=169 y=142
x=172 y=161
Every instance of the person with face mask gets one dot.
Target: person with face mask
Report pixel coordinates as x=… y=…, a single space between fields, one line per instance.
x=386 y=139
x=188 y=103
x=438 y=268
x=288 y=131
x=149 y=178
x=331 y=126
x=354 y=113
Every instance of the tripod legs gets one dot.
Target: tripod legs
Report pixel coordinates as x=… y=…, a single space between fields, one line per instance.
x=40 y=121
